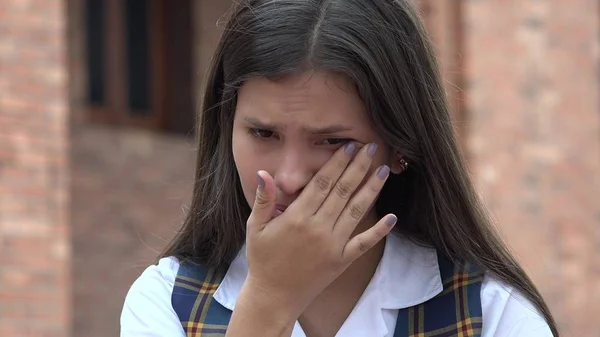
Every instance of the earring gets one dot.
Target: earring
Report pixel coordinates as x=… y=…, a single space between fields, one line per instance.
x=404 y=164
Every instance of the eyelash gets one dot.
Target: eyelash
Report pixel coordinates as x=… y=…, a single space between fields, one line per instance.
x=254 y=132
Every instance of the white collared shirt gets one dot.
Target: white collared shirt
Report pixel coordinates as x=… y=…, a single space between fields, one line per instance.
x=408 y=274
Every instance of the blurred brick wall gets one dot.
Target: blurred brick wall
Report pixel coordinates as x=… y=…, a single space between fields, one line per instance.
x=129 y=192
x=528 y=117
x=130 y=188
x=34 y=233
x=522 y=78
x=532 y=76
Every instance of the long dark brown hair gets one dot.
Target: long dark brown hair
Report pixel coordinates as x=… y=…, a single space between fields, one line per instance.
x=382 y=46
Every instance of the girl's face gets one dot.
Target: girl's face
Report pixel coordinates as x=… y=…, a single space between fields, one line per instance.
x=291 y=127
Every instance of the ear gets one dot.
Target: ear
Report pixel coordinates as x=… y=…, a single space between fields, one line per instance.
x=398 y=163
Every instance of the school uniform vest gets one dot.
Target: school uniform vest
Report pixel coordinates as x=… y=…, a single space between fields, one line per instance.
x=456 y=311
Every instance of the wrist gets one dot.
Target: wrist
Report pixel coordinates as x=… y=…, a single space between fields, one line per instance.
x=268 y=303
x=256 y=313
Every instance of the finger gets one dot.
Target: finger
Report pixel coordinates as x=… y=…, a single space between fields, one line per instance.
x=321 y=184
x=366 y=240
x=264 y=202
x=360 y=203
x=344 y=188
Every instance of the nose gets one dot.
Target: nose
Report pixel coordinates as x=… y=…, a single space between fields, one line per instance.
x=293 y=173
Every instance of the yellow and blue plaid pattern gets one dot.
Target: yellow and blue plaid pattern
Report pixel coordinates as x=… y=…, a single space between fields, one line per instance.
x=456 y=311
x=192 y=299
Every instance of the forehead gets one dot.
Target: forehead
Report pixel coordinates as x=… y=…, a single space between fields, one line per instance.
x=311 y=97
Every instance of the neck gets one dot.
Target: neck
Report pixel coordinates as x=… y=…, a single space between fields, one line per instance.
x=357 y=276
x=330 y=309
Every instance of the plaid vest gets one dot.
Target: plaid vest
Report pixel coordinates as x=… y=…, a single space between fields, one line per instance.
x=456 y=311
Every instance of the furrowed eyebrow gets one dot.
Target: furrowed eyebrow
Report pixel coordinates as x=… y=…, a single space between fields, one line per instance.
x=327 y=130
x=260 y=125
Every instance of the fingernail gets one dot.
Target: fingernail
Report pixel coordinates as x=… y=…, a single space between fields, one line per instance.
x=261 y=181
x=391 y=220
x=383 y=172
x=372 y=149
x=350 y=148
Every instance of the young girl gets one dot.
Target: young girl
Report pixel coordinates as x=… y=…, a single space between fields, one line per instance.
x=330 y=196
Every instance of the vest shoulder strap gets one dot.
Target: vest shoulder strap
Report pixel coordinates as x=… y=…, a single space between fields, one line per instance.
x=193 y=301
x=456 y=311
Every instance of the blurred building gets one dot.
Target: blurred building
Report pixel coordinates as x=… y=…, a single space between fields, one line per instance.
x=97 y=101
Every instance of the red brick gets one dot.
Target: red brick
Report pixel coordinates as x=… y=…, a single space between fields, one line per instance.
x=33 y=196
x=533 y=141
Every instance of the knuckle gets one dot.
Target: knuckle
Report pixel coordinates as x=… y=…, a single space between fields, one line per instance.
x=323 y=183
x=261 y=202
x=326 y=216
x=315 y=236
x=363 y=167
x=297 y=223
x=319 y=238
x=343 y=189
x=334 y=262
x=363 y=247
x=356 y=211
x=375 y=188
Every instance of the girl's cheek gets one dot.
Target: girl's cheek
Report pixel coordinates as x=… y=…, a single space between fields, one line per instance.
x=248 y=164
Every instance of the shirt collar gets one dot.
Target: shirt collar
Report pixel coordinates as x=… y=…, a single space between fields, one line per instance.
x=408 y=274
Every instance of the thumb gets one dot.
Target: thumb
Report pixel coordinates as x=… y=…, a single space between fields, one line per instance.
x=264 y=203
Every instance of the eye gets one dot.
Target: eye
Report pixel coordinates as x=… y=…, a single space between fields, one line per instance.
x=335 y=141
x=260 y=133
